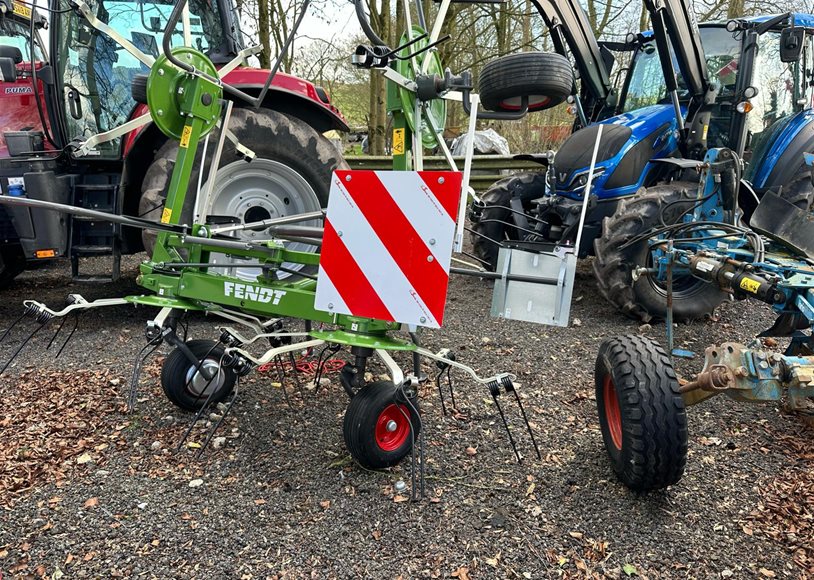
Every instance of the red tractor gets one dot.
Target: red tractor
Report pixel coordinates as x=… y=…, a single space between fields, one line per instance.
x=62 y=140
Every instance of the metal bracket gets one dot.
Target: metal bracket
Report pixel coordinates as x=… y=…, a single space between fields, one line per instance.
x=240 y=59
x=85 y=10
x=91 y=143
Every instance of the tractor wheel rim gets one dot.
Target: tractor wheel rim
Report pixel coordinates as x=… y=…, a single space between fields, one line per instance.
x=197 y=386
x=389 y=438
x=256 y=191
x=612 y=413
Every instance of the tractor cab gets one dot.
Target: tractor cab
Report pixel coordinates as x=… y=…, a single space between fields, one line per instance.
x=18 y=110
x=95 y=72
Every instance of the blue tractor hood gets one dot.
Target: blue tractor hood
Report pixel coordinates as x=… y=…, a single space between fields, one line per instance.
x=629 y=142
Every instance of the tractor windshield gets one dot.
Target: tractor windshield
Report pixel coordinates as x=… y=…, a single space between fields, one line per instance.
x=96 y=71
x=17 y=33
x=780 y=86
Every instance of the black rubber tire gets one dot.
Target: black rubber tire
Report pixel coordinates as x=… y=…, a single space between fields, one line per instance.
x=644 y=299
x=799 y=192
x=12 y=263
x=527 y=186
x=648 y=445
x=359 y=426
x=175 y=374
x=271 y=135
x=546 y=78
x=138 y=88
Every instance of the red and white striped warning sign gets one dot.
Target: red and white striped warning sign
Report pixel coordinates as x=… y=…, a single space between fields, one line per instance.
x=387 y=245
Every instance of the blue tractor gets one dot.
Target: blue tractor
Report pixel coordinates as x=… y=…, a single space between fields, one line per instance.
x=687 y=88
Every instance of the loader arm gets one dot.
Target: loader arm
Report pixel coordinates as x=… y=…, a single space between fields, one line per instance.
x=571 y=31
x=677 y=37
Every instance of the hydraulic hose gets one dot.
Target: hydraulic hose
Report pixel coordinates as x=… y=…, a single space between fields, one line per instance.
x=364 y=22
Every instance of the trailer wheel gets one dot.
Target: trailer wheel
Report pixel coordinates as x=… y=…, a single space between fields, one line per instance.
x=545 y=78
x=185 y=386
x=489 y=226
x=641 y=412
x=646 y=298
x=12 y=263
x=291 y=174
x=378 y=431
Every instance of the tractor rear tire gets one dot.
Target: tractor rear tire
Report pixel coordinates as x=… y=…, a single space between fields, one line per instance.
x=646 y=299
x=545 y=78
x=186 y=387
x=291 y=173
x=12 y=263
x=641 y=413
x=365 y=428
x=527 y=186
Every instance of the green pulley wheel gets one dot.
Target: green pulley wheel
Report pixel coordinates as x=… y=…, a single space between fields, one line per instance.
x=437 y=108
x=168 y=87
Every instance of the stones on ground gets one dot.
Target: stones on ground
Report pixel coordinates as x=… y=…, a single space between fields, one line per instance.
x=645 y=328
x=218 y=442
x=196 y=483
x=156 y=445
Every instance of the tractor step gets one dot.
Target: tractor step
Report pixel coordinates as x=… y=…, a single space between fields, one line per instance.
x=92 y=237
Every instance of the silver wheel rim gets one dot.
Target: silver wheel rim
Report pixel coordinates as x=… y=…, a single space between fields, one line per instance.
x=198 y=385
x=255 y=191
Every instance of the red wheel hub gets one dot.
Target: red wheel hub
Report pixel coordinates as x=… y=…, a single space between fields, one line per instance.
x=612 y=413
x=393 y=427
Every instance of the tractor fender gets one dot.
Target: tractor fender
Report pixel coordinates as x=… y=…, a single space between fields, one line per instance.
x=777 y=157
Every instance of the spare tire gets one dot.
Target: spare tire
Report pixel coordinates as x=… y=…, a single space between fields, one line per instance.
x=545 y=78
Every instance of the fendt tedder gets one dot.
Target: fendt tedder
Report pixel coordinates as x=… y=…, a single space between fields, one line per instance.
x=732 y=90
x=385 y=247
x=55 y=95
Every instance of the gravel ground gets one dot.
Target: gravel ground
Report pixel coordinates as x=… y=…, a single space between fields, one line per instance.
x=90 y=491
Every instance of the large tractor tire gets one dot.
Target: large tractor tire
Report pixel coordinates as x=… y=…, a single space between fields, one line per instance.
x=291 y=174
x=646 y=298
x=12 y=263
x=545 y=78
x=491 y=227
x=641 y=413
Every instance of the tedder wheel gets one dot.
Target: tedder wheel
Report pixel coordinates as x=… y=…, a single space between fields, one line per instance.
x=177 y=371
x=12 y=263
x=641 y=412
x=646 y=298
x=526 y=186
x=291 y=174
x=377 y=433
x=545 y=78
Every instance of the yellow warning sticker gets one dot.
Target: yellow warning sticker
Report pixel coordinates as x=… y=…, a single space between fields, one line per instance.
x=706 y=130
x=21 y=10
x=166 y=215
x=185 y=135
x=750 y=285
x=398 y=141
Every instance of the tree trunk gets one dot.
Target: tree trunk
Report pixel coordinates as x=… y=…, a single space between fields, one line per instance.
x=735 y=9
x=264 y=32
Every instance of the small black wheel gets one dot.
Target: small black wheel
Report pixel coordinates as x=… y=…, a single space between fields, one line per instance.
x=641 y=412
x=545 y=78
x=379 y=432
x=177 y=371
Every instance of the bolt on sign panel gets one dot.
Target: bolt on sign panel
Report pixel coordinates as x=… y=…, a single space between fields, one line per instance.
x=387 y=245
